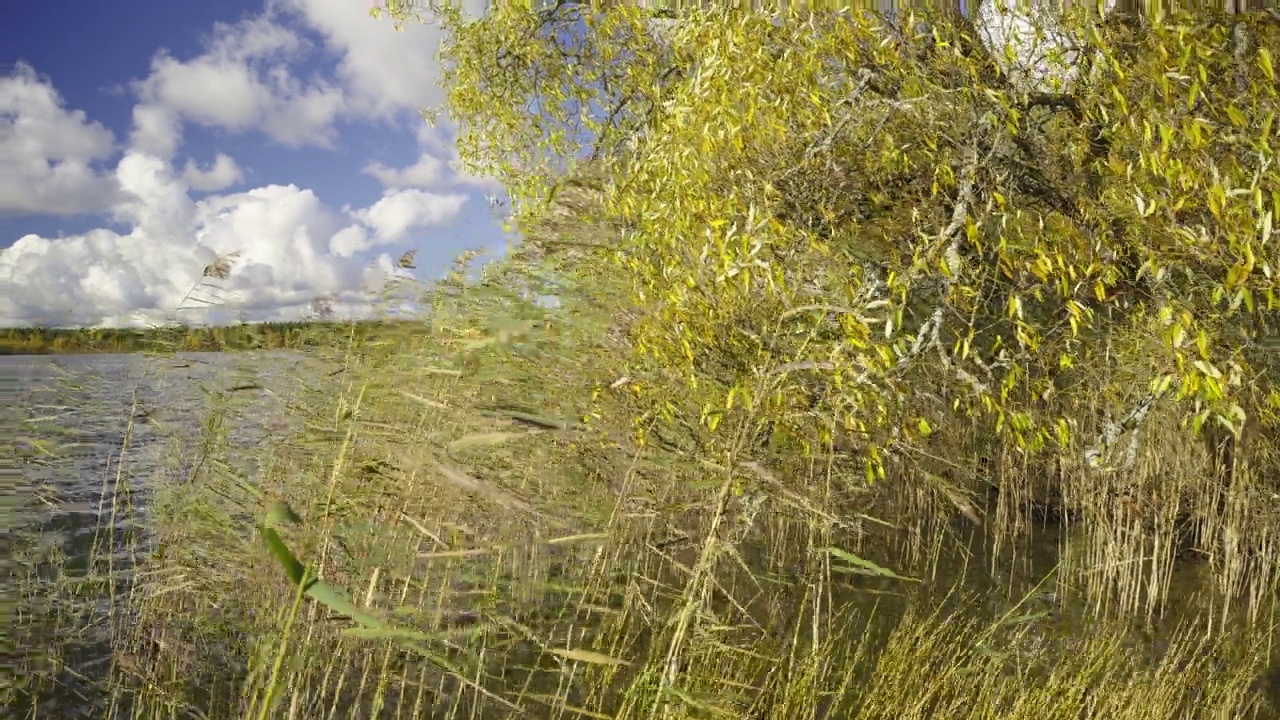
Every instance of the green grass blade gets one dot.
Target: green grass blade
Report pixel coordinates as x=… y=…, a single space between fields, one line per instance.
x=864 y=565
x=316 y=589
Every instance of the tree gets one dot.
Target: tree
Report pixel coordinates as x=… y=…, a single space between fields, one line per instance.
x=858 y=239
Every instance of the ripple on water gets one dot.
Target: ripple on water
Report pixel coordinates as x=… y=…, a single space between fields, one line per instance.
x=93 y=430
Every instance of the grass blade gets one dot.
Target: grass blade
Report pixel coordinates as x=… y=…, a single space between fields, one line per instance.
x=590 y=657
x=860 y=564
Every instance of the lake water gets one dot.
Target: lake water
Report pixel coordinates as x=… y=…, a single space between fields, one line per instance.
x=86 y=424
x=90 y=432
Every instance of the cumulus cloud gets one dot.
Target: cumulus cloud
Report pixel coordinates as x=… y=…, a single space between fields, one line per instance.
x=47 y=152
x=241 y=82
x=157 y=130
x=383 y=71
x=208 y=90
x=349 y=241
x=223 y=173
x=155 y=202
x=432 y=169
x=281 y=234
x=400 y=211
x=287 y=246
x=429 y=171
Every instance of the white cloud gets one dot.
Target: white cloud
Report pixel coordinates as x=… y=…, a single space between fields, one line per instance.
x=291 y=246
x=428 y=172
x=157 y=130
x=400 y=211
x=47 y=151
x=242 y=82
x=431 y=169
x=282 y=234
x=384 y=71
x=209 y=90
x=93 y=278
x=154 y=201
x=223 y=173
x=349 y=241
x=306 y=117
x=291 y=249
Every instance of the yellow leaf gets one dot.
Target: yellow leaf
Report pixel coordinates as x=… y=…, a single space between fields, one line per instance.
x=1264 y=62
x=1208 y=370
x=923 y=427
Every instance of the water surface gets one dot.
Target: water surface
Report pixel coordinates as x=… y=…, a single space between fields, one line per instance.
x=90 y=435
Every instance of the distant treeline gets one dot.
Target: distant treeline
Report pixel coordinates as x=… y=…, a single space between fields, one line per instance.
x=254 y=336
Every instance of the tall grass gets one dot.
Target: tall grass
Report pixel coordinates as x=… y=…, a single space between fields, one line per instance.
x=461 y=523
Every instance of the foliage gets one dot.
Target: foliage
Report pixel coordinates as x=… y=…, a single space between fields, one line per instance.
x=821 y=215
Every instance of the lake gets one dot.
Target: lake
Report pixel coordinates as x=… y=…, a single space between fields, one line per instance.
x=90 y=432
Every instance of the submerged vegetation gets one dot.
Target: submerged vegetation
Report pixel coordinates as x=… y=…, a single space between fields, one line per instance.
x=873 y=387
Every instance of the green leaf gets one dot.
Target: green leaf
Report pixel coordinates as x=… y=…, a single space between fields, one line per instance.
x=475 y=486
x=322 y=592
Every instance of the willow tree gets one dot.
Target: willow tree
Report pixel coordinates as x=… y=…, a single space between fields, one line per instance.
x=871 y=238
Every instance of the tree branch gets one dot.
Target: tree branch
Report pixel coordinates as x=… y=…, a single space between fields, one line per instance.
x=1095 y=456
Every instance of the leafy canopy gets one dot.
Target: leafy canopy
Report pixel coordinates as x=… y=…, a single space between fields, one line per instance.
x=845 y=229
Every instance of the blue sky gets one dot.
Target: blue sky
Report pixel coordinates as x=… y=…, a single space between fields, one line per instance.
x=140 y=140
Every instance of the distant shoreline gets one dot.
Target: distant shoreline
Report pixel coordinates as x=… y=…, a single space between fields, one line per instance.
x=179 y=338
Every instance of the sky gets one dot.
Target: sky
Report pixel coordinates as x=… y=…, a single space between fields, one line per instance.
x=140 y=141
